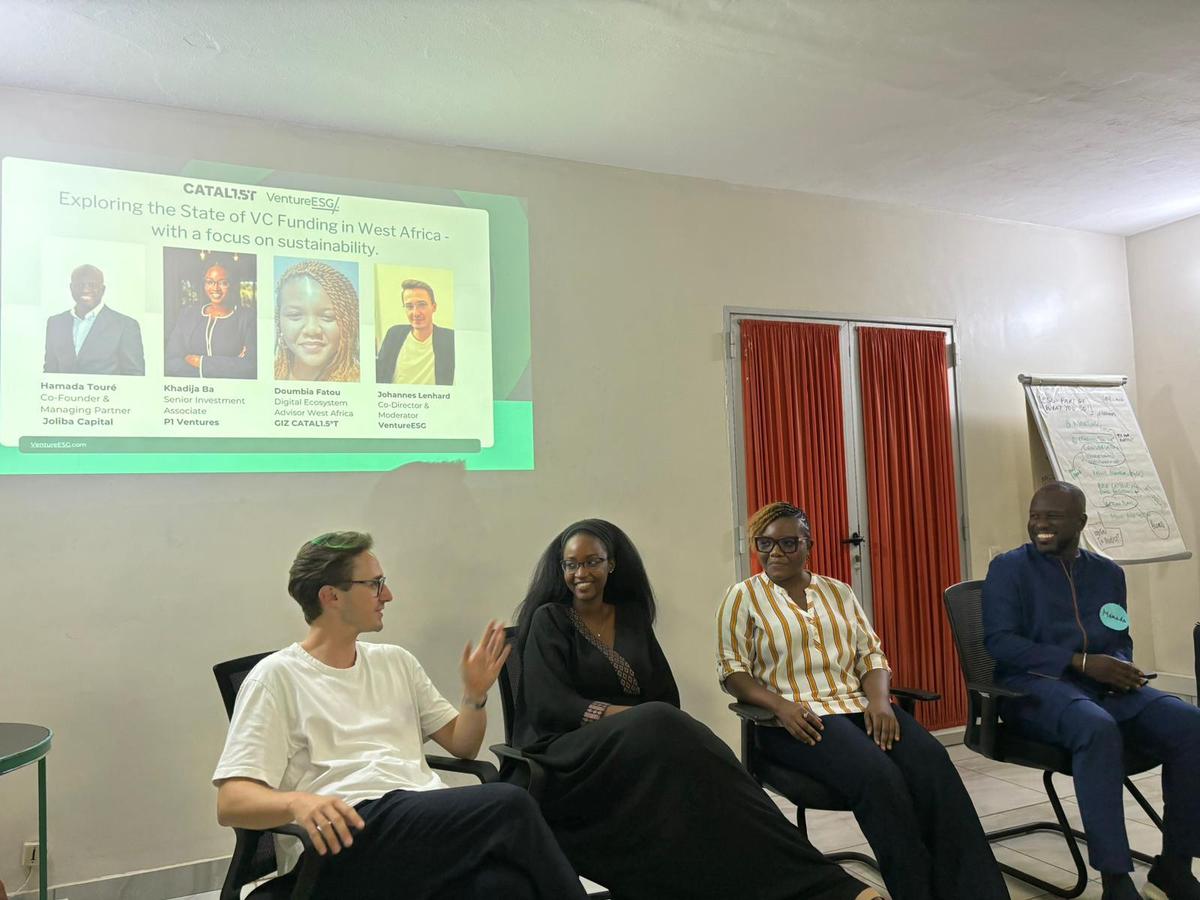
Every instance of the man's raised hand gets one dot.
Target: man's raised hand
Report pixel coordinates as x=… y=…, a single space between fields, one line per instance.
x=481 y=665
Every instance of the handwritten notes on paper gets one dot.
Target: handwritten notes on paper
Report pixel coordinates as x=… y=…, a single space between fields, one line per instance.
x=1093 y=440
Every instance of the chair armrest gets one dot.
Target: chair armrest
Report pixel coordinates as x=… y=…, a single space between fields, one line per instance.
x=915 y=694
x=757 y=714
x=989 y=726
x=308 y=870
x=291 y=829
x=985 y=697
x=484 y=771
x=240 y=872
x=907 y=698
x=513 y=759
x=994 y=690
x=503 y=751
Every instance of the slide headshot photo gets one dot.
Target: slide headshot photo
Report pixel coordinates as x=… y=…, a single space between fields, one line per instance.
x=414 y=312
x=209 y=319
x=90 y=337
x=316 y=320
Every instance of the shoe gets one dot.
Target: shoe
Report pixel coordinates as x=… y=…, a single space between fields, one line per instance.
x=1119 y=887
x=1169 y=883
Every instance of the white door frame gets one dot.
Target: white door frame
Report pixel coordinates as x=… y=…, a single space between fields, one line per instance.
x=856 y=490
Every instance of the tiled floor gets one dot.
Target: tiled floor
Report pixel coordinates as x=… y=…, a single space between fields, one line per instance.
x=1009 y=795
x=1003 y=795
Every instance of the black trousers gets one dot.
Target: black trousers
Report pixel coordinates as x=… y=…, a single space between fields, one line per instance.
x=909 y=801
x=484 y=841
x=1167 y=730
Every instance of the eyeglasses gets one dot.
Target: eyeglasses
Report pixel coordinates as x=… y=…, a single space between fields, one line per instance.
x=788 y=545
x=571 y=565
x=212 y=282
x=376 y=584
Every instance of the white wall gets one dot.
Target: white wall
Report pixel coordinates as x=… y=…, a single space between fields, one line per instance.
x=122 y=591
x=1164 y=286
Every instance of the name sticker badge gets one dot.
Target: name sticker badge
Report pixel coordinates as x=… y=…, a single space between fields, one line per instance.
x=1112 y=616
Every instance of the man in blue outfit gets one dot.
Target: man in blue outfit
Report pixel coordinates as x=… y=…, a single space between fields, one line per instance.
x=1056 y=623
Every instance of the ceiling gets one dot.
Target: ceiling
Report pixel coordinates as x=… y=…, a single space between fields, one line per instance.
x=1077 y=113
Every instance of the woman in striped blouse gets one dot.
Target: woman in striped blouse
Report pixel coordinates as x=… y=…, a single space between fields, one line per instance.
x=799 y=644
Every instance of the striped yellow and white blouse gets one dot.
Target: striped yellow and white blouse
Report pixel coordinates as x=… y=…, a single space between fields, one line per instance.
x=817 y=653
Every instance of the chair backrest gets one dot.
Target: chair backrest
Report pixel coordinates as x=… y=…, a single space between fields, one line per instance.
x=965 y=608
x=232 y=673
x=510 y=683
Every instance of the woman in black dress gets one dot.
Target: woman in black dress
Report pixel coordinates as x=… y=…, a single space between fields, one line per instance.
x=642 y=797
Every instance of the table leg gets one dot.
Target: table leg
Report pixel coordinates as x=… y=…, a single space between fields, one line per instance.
x=43 y=888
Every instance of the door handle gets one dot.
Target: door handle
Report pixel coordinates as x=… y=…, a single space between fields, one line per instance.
x=856 y=539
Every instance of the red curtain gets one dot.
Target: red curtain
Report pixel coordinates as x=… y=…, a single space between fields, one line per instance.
x=912 y=510
x=795 y=451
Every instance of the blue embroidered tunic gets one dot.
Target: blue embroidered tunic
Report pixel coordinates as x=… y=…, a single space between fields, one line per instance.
x=1038 y=611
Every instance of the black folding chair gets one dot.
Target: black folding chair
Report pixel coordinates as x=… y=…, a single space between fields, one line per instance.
x=254 y=851
x=805 y=792
x=515 y=767
x=987 y=735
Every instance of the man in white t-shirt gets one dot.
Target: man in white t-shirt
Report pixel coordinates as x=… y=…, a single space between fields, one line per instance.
x=419 y=352
x=328 y=733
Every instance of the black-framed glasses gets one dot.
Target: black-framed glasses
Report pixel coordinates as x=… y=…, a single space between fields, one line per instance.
x=788 y=545
x=593 y=563
x=376 y=584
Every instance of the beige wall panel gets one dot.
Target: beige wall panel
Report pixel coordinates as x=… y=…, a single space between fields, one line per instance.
x=1164 y=287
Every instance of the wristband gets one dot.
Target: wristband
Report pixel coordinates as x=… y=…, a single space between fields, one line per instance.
x=467 y=701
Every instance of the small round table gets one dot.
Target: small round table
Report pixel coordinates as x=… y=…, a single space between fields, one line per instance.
x=19 y=746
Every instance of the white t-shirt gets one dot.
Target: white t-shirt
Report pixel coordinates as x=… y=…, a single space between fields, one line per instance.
x=357 y=733
x=415 y=363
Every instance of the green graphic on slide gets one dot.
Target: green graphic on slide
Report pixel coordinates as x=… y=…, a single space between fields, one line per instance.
x=510 y=288
x=514 y=418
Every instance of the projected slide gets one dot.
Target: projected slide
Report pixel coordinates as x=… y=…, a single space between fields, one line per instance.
x=157 y=322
